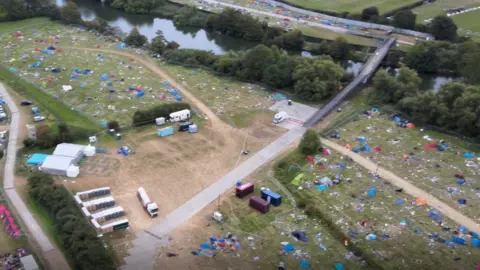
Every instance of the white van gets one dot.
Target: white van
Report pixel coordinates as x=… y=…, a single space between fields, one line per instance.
x=179 y=116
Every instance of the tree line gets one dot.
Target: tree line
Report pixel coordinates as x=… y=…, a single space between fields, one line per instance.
x=309 y=78
x=78 y=239
x=47 y=137
x=457 y=59
x=456 y=106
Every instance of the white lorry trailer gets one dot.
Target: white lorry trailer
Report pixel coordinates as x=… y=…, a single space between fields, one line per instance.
x=180 y=116
x=149 y=206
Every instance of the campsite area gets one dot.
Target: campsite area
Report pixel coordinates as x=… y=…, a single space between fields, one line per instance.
x=388 y=228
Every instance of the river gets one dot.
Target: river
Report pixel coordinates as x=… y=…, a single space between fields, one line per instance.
x=194 y=38
x=186 y=37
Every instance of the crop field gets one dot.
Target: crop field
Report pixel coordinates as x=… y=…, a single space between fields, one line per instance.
x=409 y=153
x=439 y=7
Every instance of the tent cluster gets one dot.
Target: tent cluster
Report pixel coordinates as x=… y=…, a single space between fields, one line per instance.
x=371 y=111
x=174 y=92
x=9 y=222
x=228 y=244
x=402 y=123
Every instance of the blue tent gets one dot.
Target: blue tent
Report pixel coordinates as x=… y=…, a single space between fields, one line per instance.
x=77 y=71
x=288 y=247
x=475 y=242
x=205 y=245
x=74 y=76
x=121 y=46
x=469 y=155
x=396 y=119
x=462 y=201
x=12 y=69
x=339 y=266
x=356 y=150
x=435 y=215
x=37 y=159
x=458 y=240
x=399 y=202
x=178 y=97
x=104 y=77
x=366 y=148
x=140 y=94
x=322 y=187
x=51 y=48
x=361 y=139
x=86 y=72
x=304 y=264
x=372 y=192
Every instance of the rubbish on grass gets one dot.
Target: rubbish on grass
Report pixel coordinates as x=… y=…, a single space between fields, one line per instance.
x=475 y=242
x=421 y=201
x=297 y=181
x=299 y=235
x=322 y=187
x=462 y=201
x=400 y=202
x=288 y=247
x=458 y=240
x=304 y=264
x=435 y=215
x=371 y=237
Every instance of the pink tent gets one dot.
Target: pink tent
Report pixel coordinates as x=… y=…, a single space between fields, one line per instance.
x=16 y=234
x=8 y=220
x=7 y=213
x=11 y=227
x=2 y=209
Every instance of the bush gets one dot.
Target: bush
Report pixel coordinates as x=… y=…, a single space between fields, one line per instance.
x=114 y=125
x=45 y=137
x=310 y=143
x=79 y=240
x=28 y=143
x=145 y=117
x=302 y=203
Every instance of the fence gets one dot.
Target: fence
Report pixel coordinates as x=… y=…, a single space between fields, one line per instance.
x=350 y=22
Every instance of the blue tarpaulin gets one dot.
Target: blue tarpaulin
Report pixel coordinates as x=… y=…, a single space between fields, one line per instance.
x=205 y=245
x=322 y=187
x=475 y=242
x=121 y=46
x=361 y=139
x=339 y=266
x=37 y=159
x=104 y=77
x=469 y=155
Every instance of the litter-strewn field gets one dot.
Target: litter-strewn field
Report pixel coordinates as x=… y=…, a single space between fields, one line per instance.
x=430 y=10
x=442 y=165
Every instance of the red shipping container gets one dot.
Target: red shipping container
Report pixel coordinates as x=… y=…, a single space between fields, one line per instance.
x=259 y=204
x=244 y=190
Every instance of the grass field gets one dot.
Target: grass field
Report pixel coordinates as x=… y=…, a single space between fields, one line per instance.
x=352 y=6
x=439 y=7
x=330 y=35
x=469 y=21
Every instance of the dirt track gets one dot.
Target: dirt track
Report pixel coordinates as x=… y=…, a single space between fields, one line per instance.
x=407 y=187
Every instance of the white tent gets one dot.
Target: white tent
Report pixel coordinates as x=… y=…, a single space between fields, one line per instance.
x=57 y=165
x=73 y=171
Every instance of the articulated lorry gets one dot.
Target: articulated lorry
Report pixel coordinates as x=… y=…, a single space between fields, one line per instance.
x=149 y=206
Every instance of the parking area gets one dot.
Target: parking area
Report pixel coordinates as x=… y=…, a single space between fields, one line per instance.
x=297 y=113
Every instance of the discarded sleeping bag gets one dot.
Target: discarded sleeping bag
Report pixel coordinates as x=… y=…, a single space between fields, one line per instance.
x=300 y=236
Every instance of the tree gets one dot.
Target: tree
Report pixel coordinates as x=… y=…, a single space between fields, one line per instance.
x=113 y=125
x=471 y=64
x=255 y=61
x=45 y=138
x=339 y=49
x=28 y=143
x=293 y=40
x=64 y=134
x=279 y=75
x=404 y=19
x=369 y=13
x=385 y=87
x=408 y=83
x=158 y=43
x=443 y=28
x=70 y=13
x=310 y=143
x=135 y=38
x=172 y=45
x=317 y=79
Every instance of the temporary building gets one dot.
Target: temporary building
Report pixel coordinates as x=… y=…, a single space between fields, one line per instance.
x=75 y=151
x=89 y=151
x=58 y=165
x=29 y=263
x=272 y=197
x=73 y=171
x=192 y=129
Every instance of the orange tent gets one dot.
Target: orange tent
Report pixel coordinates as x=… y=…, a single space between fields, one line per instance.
x=348 y=147
x=405 y=156
x=410 y=125
x=421 y=201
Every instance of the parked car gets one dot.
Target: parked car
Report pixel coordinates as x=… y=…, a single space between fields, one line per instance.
x=38 y=118
x=26 y=103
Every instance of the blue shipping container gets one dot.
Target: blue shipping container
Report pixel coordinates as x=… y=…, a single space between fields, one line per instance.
x=164 y=132
x=275 y=198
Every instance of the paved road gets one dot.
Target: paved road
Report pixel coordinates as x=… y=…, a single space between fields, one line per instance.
x=368 y=70
x=9 y=185
x=142 y=255
x=329 y=27
x=416 y=192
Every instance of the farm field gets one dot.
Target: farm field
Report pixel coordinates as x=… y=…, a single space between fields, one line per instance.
x=410 y=153
x=468 y=21
x=439 y=7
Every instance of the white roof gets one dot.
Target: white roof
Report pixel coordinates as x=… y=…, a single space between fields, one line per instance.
x=114 y=223
x=68 y=149
x=98 y=201
x=57 y=162
x=108 y=212
x=29 y=263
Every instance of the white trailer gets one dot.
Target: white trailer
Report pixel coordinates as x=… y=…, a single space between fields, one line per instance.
x=101 y=203
x=149 y=206
x=180 y=116
x=109 y=214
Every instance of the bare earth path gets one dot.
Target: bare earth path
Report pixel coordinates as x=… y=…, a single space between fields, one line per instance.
x=53 y=257
x=407 y=187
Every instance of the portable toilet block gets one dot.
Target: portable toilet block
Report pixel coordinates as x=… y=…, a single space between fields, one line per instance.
x=160 y=121
x=275 y=198
x=192 y=129
x=73 y=171
x=89 y=151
